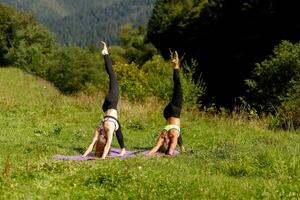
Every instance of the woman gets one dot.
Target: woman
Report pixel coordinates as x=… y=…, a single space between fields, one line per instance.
x=104 y=133
x=170 y=135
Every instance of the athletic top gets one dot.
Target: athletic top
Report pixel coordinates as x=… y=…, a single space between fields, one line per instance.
x=172 y=126
x=110 y=119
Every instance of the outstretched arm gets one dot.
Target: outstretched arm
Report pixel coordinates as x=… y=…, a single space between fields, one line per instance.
x=159 y=143
x=91 y=146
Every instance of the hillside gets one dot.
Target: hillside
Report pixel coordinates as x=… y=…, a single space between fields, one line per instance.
x=82 y=23
x=226 y=158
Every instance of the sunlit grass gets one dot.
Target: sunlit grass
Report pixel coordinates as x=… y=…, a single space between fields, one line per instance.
x=227 y=158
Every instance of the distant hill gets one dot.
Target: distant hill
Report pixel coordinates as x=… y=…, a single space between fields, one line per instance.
x=84 y=22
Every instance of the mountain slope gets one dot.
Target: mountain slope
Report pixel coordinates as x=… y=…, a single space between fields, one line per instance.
x=82 y=23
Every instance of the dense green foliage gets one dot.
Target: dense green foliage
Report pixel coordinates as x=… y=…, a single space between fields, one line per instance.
x=276 y=78
x=154 y=78
x=23 y=40
x=275 y=83
x=157 y=70
x=226 y=37
x=148 y=70
x=72 y=68
x=133 y=82
x=137 y=49
x=288 y=115
x=226 y=159
x=80 y=22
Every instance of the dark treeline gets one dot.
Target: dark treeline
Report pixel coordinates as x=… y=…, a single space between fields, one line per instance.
x=83 y=22
x=226 y=37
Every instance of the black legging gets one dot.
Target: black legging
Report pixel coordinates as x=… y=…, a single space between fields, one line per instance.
x=111 y=99
x=119 y=135
x=173 y=109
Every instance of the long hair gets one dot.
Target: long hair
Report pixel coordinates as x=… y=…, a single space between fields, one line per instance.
x=101 y=142
x=165 y=146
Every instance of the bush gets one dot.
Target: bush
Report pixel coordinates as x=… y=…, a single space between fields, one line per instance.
x=136 y=48
x=161 y=82
x=275 y=78
x=133 y=82
x=23 y=42
x=159 y=74
x=5 y=32
x=192 y=90
x=117 y=54
x=288 y=115
x=73 y=67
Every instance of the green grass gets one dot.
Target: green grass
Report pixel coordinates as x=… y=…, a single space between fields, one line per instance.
x=226 y=158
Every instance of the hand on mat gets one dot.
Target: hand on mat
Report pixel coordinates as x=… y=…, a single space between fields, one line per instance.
x=123 y=151
x=89 y=150
x=104 y=50
x=175 y=60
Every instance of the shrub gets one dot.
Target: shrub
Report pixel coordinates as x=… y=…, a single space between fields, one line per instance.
x=136 y=48
x=193 y=90
x=73 y=67
x=117 y=54
x=288 y=115
x=159 y=74
x=275 y=78
x=133 y=82
x=24 y=42
x=161 y=83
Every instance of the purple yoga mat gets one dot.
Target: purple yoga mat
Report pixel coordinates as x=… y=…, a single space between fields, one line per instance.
x=114 y=153
x=160 y=154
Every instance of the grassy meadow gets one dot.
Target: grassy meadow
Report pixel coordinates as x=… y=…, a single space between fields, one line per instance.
x=226 y=158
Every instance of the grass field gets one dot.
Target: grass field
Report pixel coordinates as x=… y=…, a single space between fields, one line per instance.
x=225 y=159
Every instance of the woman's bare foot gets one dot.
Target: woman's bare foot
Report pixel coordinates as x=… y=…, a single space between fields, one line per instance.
x=175 y=61
x=104 y=50
x=123 y=151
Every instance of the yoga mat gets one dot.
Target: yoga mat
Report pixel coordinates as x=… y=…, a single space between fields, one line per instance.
x=114 y=153
x=160 y=154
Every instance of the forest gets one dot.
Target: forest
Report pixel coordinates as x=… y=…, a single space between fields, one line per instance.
x=80 y=23
x=247 y=52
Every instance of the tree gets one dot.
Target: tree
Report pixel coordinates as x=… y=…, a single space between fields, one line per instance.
x=24 y=42
x=136 y=48
x=276 y=79
x=226 y=37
